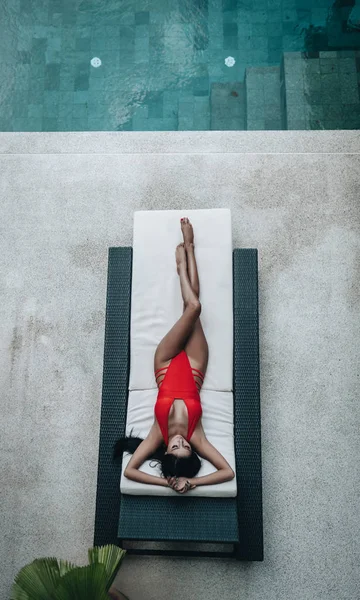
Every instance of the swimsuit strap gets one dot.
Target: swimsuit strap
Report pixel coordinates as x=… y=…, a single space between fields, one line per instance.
x=192 y=368
x=201 y=375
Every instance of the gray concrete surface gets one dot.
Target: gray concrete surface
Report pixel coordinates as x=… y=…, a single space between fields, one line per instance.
x=67 y=197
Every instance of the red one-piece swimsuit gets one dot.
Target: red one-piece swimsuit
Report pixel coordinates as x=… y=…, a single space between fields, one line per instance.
x=178 y=382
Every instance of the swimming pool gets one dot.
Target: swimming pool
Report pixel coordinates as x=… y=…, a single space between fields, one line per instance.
x=98 y=65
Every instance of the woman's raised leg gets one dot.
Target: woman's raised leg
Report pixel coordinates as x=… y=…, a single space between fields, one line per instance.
x=174 y=341
x=196 y=346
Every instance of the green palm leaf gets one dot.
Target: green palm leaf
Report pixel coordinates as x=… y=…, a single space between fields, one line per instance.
x=52 y=579
x=111 y=557
x=37 y=580
x=83 y=583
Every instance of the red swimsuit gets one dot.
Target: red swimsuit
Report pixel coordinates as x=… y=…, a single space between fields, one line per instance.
x=178 y=382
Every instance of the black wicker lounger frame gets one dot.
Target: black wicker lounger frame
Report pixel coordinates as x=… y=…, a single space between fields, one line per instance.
x=124 y=517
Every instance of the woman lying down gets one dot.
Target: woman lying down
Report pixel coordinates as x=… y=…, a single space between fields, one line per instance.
x=176 y=438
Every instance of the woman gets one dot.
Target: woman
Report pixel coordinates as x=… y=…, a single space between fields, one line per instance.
x=176 y=437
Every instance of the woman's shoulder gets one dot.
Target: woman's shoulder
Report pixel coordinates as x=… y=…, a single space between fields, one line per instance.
x=155 y=431
x=198 y=435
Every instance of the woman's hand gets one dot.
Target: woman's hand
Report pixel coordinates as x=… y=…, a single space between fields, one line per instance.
x=180 y=484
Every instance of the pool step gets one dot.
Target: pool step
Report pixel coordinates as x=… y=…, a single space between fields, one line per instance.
x=321 y=92
x=227 y=106
x=263 y=101
x=338 y=35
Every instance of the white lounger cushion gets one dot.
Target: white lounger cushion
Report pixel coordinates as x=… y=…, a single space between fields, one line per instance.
x=156 y=304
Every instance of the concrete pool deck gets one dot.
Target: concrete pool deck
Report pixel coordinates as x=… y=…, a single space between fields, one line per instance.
x=67 y=197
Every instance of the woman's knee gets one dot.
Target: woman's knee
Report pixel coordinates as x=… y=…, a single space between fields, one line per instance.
x=194 y=306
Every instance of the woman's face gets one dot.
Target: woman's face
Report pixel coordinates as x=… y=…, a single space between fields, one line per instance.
x=178 y=446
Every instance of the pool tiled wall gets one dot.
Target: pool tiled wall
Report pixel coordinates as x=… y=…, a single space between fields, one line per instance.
x=163 y=65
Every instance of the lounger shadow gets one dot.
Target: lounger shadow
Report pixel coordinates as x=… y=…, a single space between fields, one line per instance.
x=135 y=522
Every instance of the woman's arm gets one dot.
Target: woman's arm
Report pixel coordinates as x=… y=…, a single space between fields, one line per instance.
x=219 y=477
x=141 y=477
x=144 y=450
x=209 y=452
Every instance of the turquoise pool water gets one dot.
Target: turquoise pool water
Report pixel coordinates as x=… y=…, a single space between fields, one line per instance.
x=179 y=65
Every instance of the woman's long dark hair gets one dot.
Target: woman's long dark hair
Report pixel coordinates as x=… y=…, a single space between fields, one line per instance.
x=171 y=465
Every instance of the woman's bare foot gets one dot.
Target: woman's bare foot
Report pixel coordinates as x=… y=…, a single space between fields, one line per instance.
x=188 y=234
x=187 y=231
x=180 y=255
